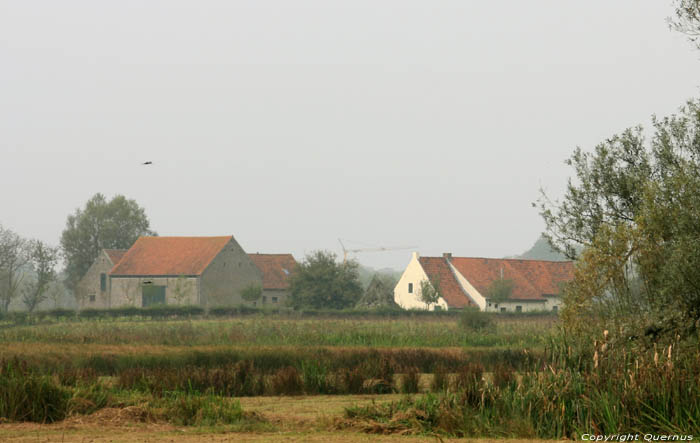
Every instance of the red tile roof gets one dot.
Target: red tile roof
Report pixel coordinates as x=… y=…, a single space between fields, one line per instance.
x=533 y=279
x=115 y=254
x=441 y=275
x=275 y=268
x=170 y=255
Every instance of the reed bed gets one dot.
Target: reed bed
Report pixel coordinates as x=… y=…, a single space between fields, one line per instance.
x=282 y=331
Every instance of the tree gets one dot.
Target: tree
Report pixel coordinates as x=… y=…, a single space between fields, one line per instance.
x=251 y=293
x=13 y=259
x=114 y=224
x=429 y=293
x=500 y=290
x=321 y=282
x=43 y=259
x=687 y=20
x=379 y=293
x=634 y=209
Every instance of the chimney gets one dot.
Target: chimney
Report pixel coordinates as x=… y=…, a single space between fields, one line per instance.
x=447 y=256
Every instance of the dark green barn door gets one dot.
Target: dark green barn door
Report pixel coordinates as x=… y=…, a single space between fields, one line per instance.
x=153 y=295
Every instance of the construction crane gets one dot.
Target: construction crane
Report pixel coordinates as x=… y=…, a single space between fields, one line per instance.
x=373 y=249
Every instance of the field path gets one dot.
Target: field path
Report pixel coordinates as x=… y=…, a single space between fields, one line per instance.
x=291 y=419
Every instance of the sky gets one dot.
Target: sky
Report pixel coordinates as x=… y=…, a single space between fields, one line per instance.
x=425 y=125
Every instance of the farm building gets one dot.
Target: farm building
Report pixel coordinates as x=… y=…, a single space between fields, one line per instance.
x=276 y=269
x=93 y=289
x=205 y=271
x=465 y=281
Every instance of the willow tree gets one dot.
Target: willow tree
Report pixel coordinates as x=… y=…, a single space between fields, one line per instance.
x=631 y=217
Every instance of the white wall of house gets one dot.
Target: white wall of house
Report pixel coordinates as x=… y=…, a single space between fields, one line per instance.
x=512 y=306
x=407 y=290
x=126 y=291
x=553 y=303
x=475 y=295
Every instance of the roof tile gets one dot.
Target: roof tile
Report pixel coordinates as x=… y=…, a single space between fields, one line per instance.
x=441 y=275
x=275 y=268
x=533 y=279
x=170 y=255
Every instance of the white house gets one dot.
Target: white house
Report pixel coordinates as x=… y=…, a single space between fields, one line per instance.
x=465 y=281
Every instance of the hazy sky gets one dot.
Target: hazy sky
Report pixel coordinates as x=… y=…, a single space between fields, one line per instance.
x=291 y=123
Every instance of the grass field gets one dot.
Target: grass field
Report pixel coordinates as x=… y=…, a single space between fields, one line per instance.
x=263 y=377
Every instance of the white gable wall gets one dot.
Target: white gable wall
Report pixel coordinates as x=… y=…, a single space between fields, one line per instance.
x=413 y=275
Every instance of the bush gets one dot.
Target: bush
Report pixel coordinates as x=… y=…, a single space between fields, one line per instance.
x=472 y=319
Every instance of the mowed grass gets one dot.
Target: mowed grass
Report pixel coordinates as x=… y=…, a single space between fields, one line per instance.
x=281 y=331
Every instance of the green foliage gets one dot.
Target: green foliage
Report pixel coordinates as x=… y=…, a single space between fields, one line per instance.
x=620 y=390
x=202 y=410
x=633 y=208
x=500 y=290
x=13 y=259
x=379 y=293
x=113 y=224
x=27 y=396
x=429 y=293
x=474 y=320
x=321 y=282
x=687 y=19
x=43 y=259
x=251 y=293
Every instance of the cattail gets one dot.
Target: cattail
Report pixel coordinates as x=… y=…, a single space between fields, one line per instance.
x=605 y=333
x=669 y=351
x=656 y=358
x=595 y=359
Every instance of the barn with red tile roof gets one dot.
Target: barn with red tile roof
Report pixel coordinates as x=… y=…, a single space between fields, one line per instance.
x=465 y=281
x=276 y=270
x=206 y=271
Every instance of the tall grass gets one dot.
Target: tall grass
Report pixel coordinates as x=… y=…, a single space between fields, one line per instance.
x=281 y=331
x=617 y=390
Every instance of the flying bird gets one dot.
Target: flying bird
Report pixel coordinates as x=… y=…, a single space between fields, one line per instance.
x=147 y=163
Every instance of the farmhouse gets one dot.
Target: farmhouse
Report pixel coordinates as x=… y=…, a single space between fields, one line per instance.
x=205 y=271
x=465 y=281
x=92 y=290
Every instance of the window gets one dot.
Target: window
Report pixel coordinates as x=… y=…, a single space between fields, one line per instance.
x=92 y=297
x=264 y=299
x=555 y=308
x=152 y=295
x=103 y=282
x=274 y=299
x=518 y=309
x=489 y=304
x=503 y=309
x=438 y=308
x=410 y=288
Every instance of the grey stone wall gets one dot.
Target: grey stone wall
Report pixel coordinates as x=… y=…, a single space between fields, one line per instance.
x=225 y=277
x=88 y=292
x=126 y=291
x=274 y=297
